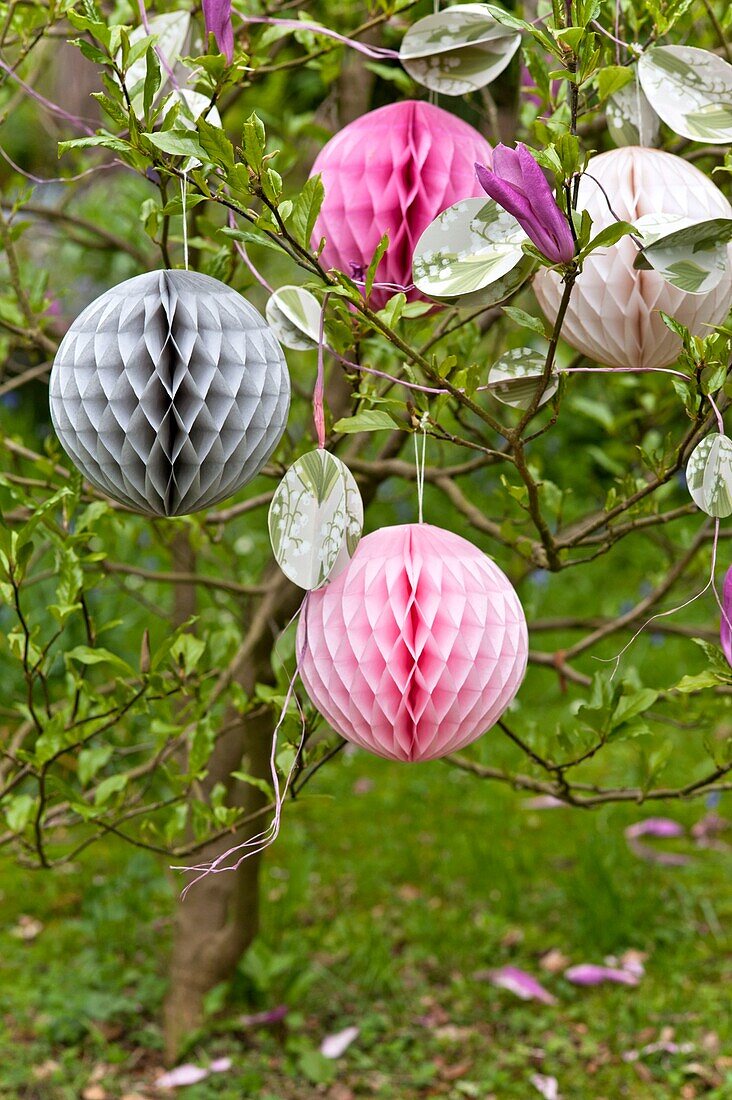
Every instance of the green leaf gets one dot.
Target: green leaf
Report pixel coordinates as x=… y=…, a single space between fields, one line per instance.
x=152 y=81
x=526 y=320
x=180 y=143
x=370 y=420
x=98 y=656
x=18 y=811
x=254 y=141
x=252 y=781
x=609 y=236
x=630 y=705
x=215 y=144
x=306 y=210
x=91 y=761
x=375 y=261
x=611 y=79
x=113 y=784
x=700 y=682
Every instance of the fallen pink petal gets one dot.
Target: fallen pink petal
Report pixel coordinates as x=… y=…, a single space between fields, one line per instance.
x=263 y=1019
x=655 y=826
x=706 y=831
x=547 y=1086
x=186 y=1074
x=189 y=1074
x=590 y=974
x=334 y=1046
x=520 y=983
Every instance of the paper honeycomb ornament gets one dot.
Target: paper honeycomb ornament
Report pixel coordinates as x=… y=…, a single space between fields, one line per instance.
x=417 y=648
x=169 y=392
x=613 y=315
x=392 y=171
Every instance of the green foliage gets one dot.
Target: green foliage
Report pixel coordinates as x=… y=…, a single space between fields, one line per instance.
x=122 y=638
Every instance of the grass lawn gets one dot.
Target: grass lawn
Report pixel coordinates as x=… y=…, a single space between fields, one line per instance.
x=391 y=892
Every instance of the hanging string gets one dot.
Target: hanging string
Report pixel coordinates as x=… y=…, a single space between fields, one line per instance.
x=420 y=464
x=717 y=413
x=183 y=199
x=262 y=840
x=319 y=391
x=375 y=52
x=672 y=611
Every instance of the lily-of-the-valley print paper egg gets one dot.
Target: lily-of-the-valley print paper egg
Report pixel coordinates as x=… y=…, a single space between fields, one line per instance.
x=613 y=315
x=471 y=255
x=691 y=90
x=392 y=171
x=709 y=475
x=169 y=392
x=458 y=50
x=293 y=313
x=315 y=519
x=516 y=376
x=417 y=648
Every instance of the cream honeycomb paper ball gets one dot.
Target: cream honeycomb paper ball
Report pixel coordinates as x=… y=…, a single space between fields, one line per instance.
x=613 y=316
x=169 y=392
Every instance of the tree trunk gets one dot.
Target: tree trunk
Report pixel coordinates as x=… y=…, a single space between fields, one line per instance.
x=219 y=917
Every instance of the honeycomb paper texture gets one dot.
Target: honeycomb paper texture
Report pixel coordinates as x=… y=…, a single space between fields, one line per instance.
x=709 y=475
x=315 y=519
x=458 y=50
x=471 y=255
x=417 y=648
x=169 y=392
x=613 y=316
x=393 y=171
x=691 y=90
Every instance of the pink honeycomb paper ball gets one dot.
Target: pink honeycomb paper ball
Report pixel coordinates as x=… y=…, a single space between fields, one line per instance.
x=393 y=171
x=417 y=648
x=613 y=316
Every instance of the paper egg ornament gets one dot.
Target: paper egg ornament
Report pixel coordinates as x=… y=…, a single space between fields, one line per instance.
x=613 y=315
x=393 y=171
x=169 y=392
x=417 y=648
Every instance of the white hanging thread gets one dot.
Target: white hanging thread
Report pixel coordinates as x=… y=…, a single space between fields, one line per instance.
x=183 y=198
x=257 y=844
x=420 y=463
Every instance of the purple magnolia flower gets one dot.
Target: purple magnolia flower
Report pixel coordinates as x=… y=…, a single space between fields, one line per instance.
x=517 y=183
x=217 y=17
x=725 y=632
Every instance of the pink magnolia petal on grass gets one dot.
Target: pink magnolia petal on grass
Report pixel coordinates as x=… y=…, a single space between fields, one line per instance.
x=543 y=802
x=547 y=1086
x=180 y=1076
x=334 y=1046
x=655 y=826
x=520 y=983
x=589 y=974
x=262 y=1019
x=188 y=1074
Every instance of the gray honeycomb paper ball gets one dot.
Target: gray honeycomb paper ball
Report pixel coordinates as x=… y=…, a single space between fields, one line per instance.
x=169 y=392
